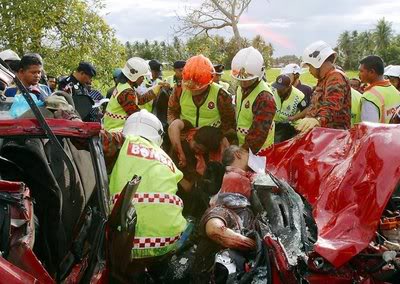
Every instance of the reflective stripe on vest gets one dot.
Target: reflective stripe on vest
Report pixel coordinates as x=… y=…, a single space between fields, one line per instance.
x=244 y=114
x=157 y=198
x=386 y=99
x=289 y=106
x=158 y=208
x=158 y=242
x=115 y=115
x=381 y=105
x=205 y=115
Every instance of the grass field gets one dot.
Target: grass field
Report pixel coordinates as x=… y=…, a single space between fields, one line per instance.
x=305 y=78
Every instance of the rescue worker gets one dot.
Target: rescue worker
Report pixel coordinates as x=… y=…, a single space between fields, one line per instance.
x=393 y=75
x=115 y=74
x=355 y=107
x=288 y=101
x=156 y=73
x=160 y=223
x=11 y=58
x=355 y=100
x=29 y=72
x=76 y=85
x=380 y=99
x=294 y=71
x=200 y=103
x=219 y=71
x=151 y=80
x=126 y=100
x=176 y=79
x=331 y=101
x=255 y=105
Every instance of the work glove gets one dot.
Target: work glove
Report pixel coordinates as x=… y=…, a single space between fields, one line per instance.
x=306 y=124
x=157 y=88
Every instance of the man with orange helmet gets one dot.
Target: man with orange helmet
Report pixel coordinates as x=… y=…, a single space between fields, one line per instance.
x=200 y=102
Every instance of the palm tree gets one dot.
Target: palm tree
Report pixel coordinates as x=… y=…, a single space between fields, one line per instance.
x=345 y=49
x=366 y=43
x=382 y=35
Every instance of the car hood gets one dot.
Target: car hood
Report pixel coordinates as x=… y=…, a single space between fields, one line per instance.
x=347 y=176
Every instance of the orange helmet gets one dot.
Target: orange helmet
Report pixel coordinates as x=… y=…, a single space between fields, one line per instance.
x=197 y=73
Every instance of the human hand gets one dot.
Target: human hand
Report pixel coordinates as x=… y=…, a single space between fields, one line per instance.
x=306 y=124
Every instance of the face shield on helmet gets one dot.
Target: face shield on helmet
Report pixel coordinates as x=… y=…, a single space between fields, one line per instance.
x=248 y=64
x=146 y=125
x=316 y=54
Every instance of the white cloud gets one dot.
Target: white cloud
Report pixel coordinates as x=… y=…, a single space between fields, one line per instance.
x=290 y=26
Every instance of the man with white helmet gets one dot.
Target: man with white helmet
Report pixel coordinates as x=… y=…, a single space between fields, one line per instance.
x=380 y=98
x=11 y=58
x=331 y=101
x=125 y=100
x=255 y=105
x=159 y=223
x=393 y=75
x=294 y=71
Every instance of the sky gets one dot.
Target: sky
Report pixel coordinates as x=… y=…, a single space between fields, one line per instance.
x=290 y=25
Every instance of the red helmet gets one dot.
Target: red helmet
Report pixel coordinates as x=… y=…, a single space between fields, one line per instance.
x=197 y=73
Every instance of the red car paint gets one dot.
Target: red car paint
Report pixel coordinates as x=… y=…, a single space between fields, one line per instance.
x=348 y=178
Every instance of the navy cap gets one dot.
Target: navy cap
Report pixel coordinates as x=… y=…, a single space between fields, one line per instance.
x=87 y=67
x=179 y=64
x=282 y=82
x=219 y=68
x=155 y=65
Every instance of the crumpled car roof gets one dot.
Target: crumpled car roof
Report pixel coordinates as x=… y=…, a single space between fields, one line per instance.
x=347 y=176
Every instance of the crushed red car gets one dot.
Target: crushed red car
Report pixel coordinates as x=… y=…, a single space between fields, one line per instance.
x=52 y=226
x=328 y=208
x=350 y=179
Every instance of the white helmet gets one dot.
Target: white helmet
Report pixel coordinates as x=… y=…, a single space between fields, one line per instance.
x=145 y=124
x=393 y=71
x=291 y=68
x=247 y=64
x=135 y=67
x=8 y=54
x=316 y=53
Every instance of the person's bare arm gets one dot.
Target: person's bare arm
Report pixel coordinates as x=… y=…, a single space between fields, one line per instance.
x=174 y=133
x=217 y=231
x=299 y=115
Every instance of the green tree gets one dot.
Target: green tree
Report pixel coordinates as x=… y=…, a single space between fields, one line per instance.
x=265 y=48
x=345 y=48
x=64 y=32
x=382 y=35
